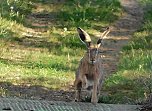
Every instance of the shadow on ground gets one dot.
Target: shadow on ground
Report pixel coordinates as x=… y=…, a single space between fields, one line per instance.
x=8 y=89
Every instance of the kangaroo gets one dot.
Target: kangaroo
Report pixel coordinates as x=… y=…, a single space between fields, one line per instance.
x=89 y=75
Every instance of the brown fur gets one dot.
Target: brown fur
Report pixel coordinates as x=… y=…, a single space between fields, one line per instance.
x=89 y=74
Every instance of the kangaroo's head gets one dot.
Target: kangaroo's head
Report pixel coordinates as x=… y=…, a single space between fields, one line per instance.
x=92 y=49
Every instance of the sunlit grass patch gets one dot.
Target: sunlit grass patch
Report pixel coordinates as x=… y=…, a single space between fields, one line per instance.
x=136 y=60
x=52 y=66
x=46 y=77
x=10 y=29
x=37 y=68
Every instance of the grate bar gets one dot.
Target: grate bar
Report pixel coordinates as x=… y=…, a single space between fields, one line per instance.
x=14 y=104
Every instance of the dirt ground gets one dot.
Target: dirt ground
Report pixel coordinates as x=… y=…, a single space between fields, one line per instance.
x=121 y=32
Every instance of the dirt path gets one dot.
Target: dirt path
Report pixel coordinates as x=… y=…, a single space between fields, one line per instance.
x=121 y=32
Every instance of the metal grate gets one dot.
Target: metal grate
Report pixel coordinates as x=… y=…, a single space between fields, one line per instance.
x=10 y=104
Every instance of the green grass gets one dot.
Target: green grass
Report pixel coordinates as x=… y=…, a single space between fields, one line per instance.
x=15 y=9
x=79 y=13
x=10 y=29
x=133 y=80
x=12 y=16
x=35 y=68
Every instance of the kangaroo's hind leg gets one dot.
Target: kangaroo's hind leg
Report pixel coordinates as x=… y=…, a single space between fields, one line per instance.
x=78 y=86
x=94 y=98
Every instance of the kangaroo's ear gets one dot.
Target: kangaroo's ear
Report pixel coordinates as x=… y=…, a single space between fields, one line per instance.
x=84 y=37
x=103 y=35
